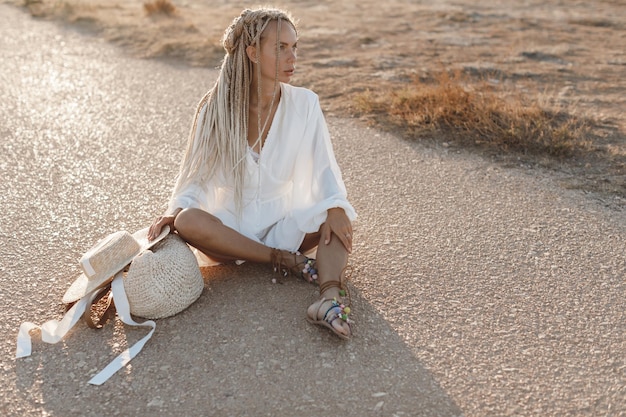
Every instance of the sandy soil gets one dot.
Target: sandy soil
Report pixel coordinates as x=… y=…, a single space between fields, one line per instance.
x=568 y=53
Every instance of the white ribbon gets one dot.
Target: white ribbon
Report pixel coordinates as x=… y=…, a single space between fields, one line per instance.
x=53 y=331
x=89 y=271
x=123 y=310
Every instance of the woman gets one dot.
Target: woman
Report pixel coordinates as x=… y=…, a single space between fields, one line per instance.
x=259 y=181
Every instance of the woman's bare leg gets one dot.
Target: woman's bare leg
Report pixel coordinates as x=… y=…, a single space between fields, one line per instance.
x=210 y=236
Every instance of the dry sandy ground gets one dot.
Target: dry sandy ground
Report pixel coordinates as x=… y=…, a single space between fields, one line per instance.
x=568 y=53
x=572 y=50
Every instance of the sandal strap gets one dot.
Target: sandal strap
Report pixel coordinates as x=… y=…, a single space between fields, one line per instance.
x=107 y=314
x=344 y=276
x=334 y=306
x=299 y=268
x=336 y=310
x=277 y=259
x=330 y=284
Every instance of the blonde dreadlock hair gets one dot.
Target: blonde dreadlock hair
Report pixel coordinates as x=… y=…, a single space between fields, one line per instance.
x=219 y=139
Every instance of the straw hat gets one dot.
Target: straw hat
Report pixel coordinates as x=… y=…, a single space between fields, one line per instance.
x=108 y=257
x=163 y=281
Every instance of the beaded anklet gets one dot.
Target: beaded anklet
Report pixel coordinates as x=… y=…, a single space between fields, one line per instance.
x=306 y=269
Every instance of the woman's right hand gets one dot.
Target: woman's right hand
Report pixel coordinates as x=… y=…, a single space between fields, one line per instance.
x=160 y=222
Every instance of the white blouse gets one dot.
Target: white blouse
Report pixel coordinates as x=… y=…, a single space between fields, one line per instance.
x=289 y=189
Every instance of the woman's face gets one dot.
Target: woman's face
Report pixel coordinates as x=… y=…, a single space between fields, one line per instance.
x=288 y=45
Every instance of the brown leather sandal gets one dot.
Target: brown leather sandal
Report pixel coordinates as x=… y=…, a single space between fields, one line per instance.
x=303 y=269
x=337 y=309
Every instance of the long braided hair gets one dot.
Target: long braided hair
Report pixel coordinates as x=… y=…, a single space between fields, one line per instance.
x=218 y=141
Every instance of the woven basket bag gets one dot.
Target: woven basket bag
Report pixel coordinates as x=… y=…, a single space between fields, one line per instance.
x=163 y=281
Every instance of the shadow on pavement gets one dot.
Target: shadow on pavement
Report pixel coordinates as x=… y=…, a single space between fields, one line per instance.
x=244 y=348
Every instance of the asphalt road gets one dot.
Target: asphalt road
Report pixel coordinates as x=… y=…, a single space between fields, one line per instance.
x=478 y=290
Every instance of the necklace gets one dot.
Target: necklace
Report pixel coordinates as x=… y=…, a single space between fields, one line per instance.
x=260 y=129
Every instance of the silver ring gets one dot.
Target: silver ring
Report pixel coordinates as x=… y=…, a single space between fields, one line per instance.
x=348 y=236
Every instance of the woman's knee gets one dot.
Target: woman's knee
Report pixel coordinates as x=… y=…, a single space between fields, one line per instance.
x=190 y=221
x=186 y=219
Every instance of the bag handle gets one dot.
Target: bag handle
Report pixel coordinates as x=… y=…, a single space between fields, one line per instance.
x=109 y=309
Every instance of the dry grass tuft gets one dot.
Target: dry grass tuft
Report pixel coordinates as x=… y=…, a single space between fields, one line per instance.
x=475 y=113
x=159 y=7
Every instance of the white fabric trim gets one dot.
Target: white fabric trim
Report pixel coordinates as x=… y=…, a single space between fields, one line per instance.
x=53 y=331
x=123 y=310
x=89 y=271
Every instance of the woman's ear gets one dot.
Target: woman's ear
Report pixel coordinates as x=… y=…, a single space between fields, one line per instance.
x=251 y=52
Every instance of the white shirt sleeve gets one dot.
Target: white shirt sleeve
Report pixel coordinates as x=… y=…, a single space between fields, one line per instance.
x=320 y=187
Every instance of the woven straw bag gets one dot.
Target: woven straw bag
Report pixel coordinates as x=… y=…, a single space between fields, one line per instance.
x=163 y=281
x=160 y=282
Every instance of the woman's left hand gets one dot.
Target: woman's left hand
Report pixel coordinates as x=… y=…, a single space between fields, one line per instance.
x=337 y=223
